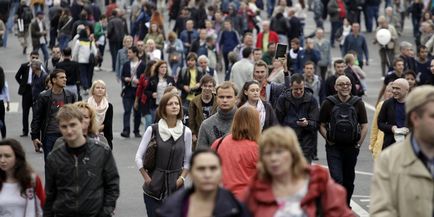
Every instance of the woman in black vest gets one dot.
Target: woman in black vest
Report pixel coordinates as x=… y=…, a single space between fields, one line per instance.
x=172 y=156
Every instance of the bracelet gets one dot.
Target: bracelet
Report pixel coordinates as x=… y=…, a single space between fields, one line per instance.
x=182 y=177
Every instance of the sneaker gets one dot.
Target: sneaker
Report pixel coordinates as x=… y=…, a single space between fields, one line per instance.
x=137 y=135
x=125 y=135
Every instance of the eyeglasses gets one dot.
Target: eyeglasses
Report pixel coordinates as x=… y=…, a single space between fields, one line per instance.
x=344 y=84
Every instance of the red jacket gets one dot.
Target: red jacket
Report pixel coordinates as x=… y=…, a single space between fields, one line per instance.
x=272 y=38
x=141 y=86
x=261 y=201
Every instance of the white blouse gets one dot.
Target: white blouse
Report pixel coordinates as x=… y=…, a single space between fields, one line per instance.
x=12 y=204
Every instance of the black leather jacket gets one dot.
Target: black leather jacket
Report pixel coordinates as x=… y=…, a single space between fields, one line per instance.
x=41 y=112
x=85 y=185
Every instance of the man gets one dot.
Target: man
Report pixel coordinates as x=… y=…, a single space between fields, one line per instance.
x=343 y=124
x=296 y=28
x=268 y=56
x=81 y=177
x=247 y=42
x=299 y=110
x=72 y=71
x=337 y=12
x=38 y=32
x=38 y=79
x=398 y=72
x=391 y=119
x=122 y=55
x=309 y=53
x=403 y=181
x=356 y=42
x=130 y=76
x=24 y=79
x=189 y=81
x=353 y=72
x=257 y=55
x=142 y=51
x=115 y=35
x=199 y=46
x=266 y=36
x=406 y=54
x=45 y=128
x=323 y=46
x=387 y=52
x=54 y=59
x=24 y=16
x=280 y=25
x=423 y=62
x=270 y=91
x=313 y=82
x=205 y=69
x=339 y=66
x=293 y=54
x=188 y=36
x=242 y=70
x=220 y=123
x=202 y=106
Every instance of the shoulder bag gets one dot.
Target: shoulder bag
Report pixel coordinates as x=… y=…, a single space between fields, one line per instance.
x=151 y=151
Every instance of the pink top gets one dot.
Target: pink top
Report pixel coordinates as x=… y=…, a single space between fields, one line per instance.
x=239 y=160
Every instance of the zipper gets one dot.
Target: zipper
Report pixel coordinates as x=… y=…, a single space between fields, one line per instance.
x=76 y=179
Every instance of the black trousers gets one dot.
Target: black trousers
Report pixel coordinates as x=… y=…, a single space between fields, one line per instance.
x=2 y=119
x=26 y=103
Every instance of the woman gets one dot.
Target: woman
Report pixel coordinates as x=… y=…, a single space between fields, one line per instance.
x=4 y=97
x=287 y=186
x=239 y=151
x=174 y=48
x=377 y=136
x=157 y=84
x=100 y=31
x=142 y=101
x=156 y=35
x=21 y=190
x=250 y=96
x=103 y=108
x=277 y=75
x=83 y=49
x=173 y=140
x=205 y=197
x=151 y=50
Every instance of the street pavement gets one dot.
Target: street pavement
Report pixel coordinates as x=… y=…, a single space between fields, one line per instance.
x=130 y=203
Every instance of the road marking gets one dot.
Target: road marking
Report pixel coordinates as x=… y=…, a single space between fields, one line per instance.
x=369 y=106
x=358 y=209
x=365 y=200
x=357 y=172
x=361 y=196
x=13 y=107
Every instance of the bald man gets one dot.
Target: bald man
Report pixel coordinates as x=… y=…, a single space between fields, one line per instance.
x=391 y=119
x=342 y=150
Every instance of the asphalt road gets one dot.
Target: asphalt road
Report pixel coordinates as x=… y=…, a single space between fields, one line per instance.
x=130 y=203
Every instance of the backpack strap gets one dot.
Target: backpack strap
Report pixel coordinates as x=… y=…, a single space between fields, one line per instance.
x=334 y=99
x=353 y=100
x=154 y=130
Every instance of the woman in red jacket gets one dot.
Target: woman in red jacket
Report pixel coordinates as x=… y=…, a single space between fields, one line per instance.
x=287 y=186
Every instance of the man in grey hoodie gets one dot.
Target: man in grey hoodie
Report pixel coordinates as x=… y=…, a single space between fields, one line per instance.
x=220 y=123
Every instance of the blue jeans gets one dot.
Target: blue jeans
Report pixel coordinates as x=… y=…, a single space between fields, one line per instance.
x=48 y=143
x=44 y=49
x=128 y=103
x=114 y=47
x=270 y=7
x=63 y=41
x=335 y=26
x=85 y=75
x=151 y=205
x=342 y=165
x=371 y=13
x=416 y=24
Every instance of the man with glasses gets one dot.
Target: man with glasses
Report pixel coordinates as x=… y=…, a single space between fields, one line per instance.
x=343 y=124
x=24 y=79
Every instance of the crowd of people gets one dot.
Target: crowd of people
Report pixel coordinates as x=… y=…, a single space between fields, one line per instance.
x=238 y=146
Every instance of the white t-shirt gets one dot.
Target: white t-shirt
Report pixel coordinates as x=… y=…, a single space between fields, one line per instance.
x=12 y=204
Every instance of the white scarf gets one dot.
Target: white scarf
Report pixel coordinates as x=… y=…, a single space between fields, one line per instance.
x=100 y=109
x=262 y=113
x=166 y=132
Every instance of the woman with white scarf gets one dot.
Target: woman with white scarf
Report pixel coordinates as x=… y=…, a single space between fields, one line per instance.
x=250 y=96
x=104 y=110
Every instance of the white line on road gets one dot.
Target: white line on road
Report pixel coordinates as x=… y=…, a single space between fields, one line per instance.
x=357 y=172
x=365 y=200
x=370 y=107
x=361 y=196
x=358 y=209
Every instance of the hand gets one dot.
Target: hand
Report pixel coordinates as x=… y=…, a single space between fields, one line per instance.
x=187 y=88
x=147 y=180
x=154 y=95
x=197 y=85
x=367 y=62
x=127 y=79
x=7 y=106
x=179 y=182
x=38 y=145
x=302 y=122
x=194 y=137
x=136 y=81
x=394 y=128
x=136 y=105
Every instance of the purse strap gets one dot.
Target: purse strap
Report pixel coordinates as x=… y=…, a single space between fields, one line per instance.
x=218 y=144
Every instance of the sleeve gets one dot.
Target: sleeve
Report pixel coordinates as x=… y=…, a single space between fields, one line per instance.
x=108 y=123
x=324 y=112
x=39 y=191
x=117 y=65
x=382 y=122
x=192 y=118
x=140 y=86
x=188 y=144
x=75 y=51
x=142 y=147
x=313 y=115
x=19 y=74
x=365 y=49
x=280 y=109
x=6 y=92
x=381 y=192
x=50 y=187
x=111 y=184
x=38 y=113
x=203 y=138
x=333 y=200
x=361 y=113
x=374 y=128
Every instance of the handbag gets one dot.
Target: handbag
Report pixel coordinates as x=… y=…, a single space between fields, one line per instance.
x=151 y=151
x=92 y=58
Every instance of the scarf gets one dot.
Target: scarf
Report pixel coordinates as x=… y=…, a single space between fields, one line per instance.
x=100 y=109
x=166 y=132
x=262 y=113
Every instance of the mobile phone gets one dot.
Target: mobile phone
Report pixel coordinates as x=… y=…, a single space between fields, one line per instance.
x=280 y=51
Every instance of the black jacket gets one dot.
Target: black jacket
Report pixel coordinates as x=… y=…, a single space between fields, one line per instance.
x=152 y=88
x=84 y=185
x=386 y=120
x=225 y=206
x=128 y=90
x=108 y=125
x=288 y=111
x=41 y=112
x=22 y=76
x=184 y=79
x=71 y=69
x=270 y=116
x=116 y=30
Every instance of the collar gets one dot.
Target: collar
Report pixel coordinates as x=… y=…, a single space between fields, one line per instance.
x=429 y=163
x=226 y=115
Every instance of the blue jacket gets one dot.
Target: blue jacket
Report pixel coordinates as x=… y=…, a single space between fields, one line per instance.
x=357 y=44
x=184 y=38
x=305 y=55
x=228 y=41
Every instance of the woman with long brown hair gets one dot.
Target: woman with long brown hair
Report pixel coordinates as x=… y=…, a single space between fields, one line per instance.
x=239 y=150
x=21 y=190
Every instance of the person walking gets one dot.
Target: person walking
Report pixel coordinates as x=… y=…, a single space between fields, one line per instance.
x=103 y=109
x=4 y=97
x=38 y=32
x=24 y=18
x=84 y=52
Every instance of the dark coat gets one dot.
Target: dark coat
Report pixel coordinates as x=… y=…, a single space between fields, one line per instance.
x=128 y=90
x=72 y=71
x=288 y=112
x=270 y=116
x=21 y=77
x=108 y=125
x=184 y=79
x=386 y=120
x=225 y=206
x=36 y=33
x=152 y=88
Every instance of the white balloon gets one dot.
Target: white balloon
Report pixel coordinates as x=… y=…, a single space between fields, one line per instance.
x=383 y=36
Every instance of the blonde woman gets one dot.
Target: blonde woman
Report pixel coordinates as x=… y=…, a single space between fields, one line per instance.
x=103 y=109
x=287 y=186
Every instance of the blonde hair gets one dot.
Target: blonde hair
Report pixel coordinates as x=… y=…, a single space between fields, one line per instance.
x=282 y=137
x=92 y=88
x=93 y=126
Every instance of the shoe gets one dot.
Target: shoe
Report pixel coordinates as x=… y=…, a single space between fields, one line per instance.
x=86 y=92
x=24 y=50
x=24 y=135
x=315 y=158
x=125 y=135
x=137 y=135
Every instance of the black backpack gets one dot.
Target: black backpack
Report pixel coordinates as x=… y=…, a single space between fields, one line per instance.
x=343 y=127
x=27 y=15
